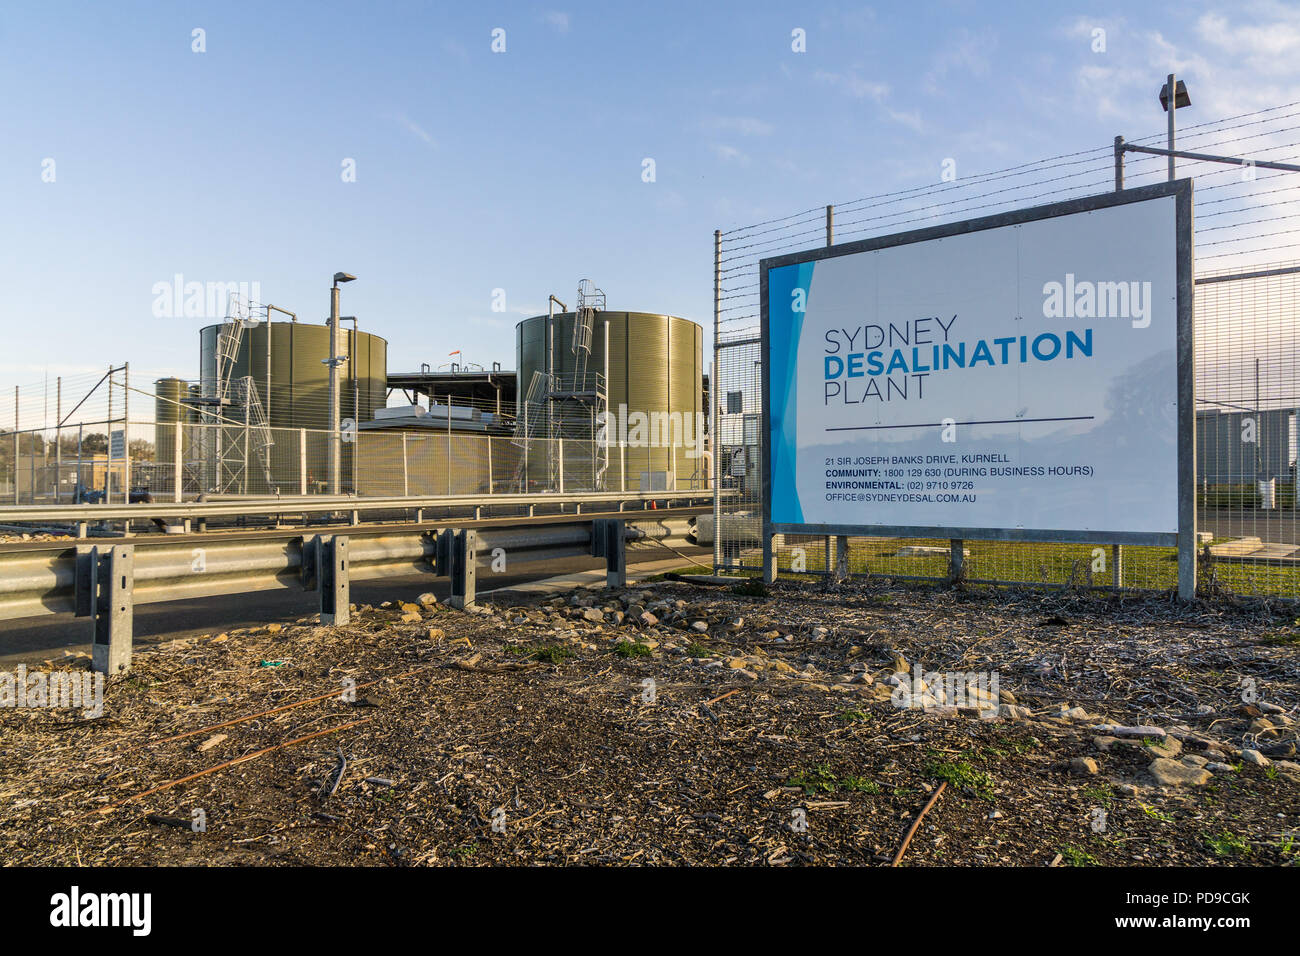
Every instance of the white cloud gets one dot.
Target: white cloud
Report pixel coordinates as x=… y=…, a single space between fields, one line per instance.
x=729 y=154
x=740 y=125
x=414 y=128
x=873 y=90
x=967 y=53
x=559 y=20
x=854 y=85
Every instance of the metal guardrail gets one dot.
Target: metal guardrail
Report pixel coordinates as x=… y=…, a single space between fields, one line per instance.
x=105 y=580
x=327 y=504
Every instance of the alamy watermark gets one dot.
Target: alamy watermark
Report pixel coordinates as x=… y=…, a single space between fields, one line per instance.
x=652 y=430
x=175 y=298
x=66 y=690
x=977 y=689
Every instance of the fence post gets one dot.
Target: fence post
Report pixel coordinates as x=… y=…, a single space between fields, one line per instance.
x=489 y=463
x=769 y=556
x=560 y=451
x=406 y=479
x=126 y=436
x=16 y=500
x=1116 y=567
x=957 y=561
x=178 y=493
x=302 y=462
x=841 y=557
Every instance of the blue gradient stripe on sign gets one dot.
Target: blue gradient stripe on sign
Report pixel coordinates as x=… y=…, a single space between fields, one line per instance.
x=784 y=325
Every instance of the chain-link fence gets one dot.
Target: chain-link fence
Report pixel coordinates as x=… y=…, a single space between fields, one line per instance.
x=1247 y=356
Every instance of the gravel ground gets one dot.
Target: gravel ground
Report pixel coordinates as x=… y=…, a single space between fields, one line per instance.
x=673 y=723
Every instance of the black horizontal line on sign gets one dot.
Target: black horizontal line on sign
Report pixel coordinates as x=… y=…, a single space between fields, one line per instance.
x=995 y=421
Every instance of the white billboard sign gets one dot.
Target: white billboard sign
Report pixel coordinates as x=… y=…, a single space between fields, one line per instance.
x=1017 y=376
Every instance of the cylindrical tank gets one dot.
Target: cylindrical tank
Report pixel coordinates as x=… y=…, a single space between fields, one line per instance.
x=169 y=400
x=297 y=392
x=169 y=412
x=655 y=378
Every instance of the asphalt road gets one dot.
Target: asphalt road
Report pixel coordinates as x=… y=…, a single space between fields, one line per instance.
x=33 y=640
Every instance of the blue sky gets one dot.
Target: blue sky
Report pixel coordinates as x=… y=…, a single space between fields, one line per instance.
x=522 y=170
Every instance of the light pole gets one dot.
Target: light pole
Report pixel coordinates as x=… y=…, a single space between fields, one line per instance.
x=336 y=440
x=1175 y=90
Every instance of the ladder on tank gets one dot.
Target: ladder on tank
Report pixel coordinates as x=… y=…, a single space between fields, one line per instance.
x=237 y=443
x=577 y=402
x=528 y=422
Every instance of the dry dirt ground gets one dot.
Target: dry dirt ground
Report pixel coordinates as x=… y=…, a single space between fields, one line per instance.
x=721 y=728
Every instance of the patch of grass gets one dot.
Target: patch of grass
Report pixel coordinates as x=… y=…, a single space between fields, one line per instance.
x=822 y=779
x=853 y=717
x=1156 y=814
x=696 y=649
x=959 y=773
x=631 y=649
x=1017 y=746
x=750 y=587
x=1100 y=795
x=464 y=852
x=1077 y=857
x=1281 y=639
x=549 y=653
x=1227 y=843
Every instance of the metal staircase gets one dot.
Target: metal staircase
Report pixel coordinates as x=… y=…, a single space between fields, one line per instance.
x=530 y=423
x=240 y=434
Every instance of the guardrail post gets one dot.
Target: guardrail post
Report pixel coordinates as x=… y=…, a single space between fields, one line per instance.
x=957 y=561
x=464 y=568
x=609 y=541
x=105 y=592
x=332 y=578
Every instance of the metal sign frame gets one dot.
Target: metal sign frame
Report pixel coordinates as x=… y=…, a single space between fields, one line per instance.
x=1185 y=538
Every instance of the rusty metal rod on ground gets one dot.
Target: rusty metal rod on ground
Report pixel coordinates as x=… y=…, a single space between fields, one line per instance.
x=907 y=840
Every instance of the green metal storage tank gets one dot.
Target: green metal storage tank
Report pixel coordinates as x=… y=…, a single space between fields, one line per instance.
x=169 y=400
x=297 y=392
x=169 y=412
x=655 y=366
